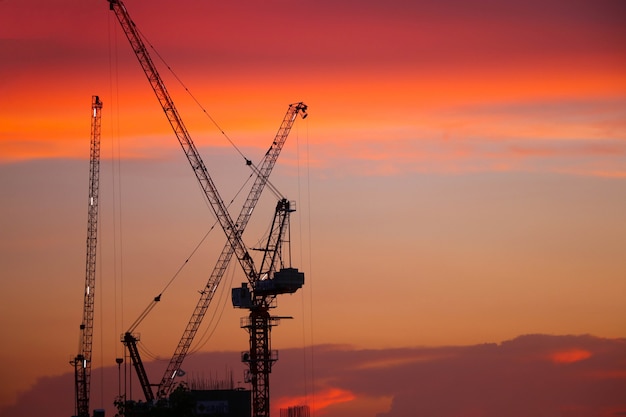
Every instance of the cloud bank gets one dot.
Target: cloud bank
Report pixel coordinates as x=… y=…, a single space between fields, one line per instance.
x=532 y=375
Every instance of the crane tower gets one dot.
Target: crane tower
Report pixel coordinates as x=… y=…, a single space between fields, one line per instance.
x=82 y=361
x=275 y=277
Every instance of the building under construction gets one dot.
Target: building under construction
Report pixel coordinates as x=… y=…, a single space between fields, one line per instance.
x=195 y=403
x=227 y=403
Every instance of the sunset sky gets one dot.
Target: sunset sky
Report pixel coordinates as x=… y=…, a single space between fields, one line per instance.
x=460 y=180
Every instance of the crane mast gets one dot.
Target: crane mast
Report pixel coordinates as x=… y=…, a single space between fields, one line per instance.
x=82 y=361
x=273 y=279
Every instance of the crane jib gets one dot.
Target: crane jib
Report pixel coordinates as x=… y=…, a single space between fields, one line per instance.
x=167 y=104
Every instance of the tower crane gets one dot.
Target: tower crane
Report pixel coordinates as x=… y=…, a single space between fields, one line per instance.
x=82 y=361
x=206 y=295
x=274 y=278
x=283 y=281
x=130 y=339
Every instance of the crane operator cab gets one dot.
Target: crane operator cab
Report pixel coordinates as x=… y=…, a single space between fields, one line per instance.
x=285 y=281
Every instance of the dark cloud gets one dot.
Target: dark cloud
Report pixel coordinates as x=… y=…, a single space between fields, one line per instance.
x=532 y=375
x=515 y=378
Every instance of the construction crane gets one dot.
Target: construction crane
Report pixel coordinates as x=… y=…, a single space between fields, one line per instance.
x=206 y=295
x=130 y=339
x=82 y=361
x=291 y=276
x=274 y=278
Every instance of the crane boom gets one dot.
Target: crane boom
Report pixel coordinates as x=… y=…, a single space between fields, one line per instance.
x=130 y=341
x=233 y=234
x=206 y=295
x=82 y=361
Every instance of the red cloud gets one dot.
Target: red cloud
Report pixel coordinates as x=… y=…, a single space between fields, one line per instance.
x=570 y=356
x=322 y=399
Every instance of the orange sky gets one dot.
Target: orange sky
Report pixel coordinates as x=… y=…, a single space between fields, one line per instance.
x=460 y=178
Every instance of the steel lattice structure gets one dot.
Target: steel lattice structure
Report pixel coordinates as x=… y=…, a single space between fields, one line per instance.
x=82 y=361
x=262 y=295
